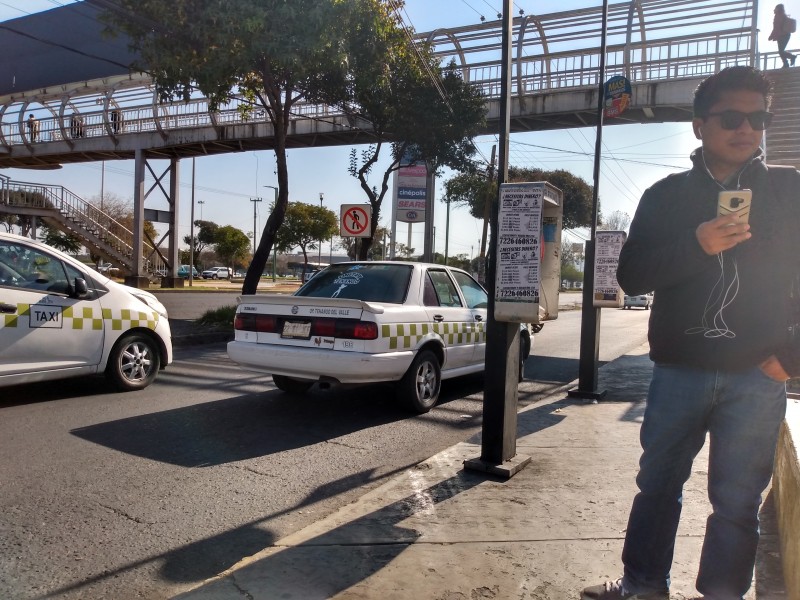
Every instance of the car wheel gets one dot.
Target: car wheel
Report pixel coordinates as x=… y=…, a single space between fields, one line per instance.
x=291 y=386
x=134 y=362
x=524 y=352
x=419 y=388
x=214 y=276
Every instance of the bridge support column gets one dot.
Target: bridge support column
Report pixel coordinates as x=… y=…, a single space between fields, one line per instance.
x=138 y=278
x=173 y=238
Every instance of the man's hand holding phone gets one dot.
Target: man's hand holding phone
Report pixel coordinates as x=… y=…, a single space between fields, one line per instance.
x=731 y=225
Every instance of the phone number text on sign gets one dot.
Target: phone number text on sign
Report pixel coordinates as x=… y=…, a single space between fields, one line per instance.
x=519 y=241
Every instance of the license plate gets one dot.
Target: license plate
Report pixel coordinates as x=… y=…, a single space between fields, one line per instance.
x=296 y=329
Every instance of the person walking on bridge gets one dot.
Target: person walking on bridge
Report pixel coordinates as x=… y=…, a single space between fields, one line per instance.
x=726 y=303
x=782 y=28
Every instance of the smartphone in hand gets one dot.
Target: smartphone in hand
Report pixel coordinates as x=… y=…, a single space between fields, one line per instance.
x=735 y=202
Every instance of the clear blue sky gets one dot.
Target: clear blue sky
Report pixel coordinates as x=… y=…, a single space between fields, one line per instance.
x=225 y=183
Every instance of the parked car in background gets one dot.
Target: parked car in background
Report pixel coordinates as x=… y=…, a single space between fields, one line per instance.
x=217 y=273
x=413 y=324
x=107 y=269
x=184 y=270
x=59 y=318
x=643 y=300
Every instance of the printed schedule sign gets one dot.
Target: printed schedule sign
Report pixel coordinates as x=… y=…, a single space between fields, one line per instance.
x=607 y=292
x=519 y=243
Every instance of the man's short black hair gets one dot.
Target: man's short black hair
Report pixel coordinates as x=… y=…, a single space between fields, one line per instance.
x=731 y=79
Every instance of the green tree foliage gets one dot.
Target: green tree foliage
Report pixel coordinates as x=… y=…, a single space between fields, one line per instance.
x=422 y=111
x=469 y=189
x=304 y=226
x=275 y=52
x=377 y=250
x=62 y=241
x=204 y=236
x=231 y=244
x=577 y=193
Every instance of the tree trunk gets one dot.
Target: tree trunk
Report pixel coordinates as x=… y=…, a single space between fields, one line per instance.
x=275 y=220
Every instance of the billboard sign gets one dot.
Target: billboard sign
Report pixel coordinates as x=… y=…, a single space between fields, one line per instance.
x=411 y=192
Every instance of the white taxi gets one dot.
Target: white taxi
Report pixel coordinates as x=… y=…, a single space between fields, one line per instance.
x=59 y=318
x=414 y=324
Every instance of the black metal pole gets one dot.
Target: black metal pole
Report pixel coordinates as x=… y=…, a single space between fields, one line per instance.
x=590 y=316
x=499 y=439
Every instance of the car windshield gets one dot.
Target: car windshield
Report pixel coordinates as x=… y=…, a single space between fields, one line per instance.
x=363 y=281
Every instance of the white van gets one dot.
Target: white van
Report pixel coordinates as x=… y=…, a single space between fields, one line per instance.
x=60 y=318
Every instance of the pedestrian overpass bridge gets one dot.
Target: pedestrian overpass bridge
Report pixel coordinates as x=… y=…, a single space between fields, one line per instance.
x=664 y=47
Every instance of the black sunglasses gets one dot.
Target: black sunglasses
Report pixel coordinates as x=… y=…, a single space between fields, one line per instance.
x=733 y=119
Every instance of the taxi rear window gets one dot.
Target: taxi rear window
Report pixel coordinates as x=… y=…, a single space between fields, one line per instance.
x=367 y=282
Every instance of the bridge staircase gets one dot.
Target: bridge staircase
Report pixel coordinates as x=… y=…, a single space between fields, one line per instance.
x=64 y=211
x=783 y=136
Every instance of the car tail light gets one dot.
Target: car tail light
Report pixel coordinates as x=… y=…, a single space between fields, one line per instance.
x=259 y=323
x=244 y=322
x=266 y=324
x=356 y=330
x=324 y=327
x=338 y=328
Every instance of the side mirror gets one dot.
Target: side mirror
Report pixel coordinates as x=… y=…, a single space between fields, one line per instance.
x=80 y=289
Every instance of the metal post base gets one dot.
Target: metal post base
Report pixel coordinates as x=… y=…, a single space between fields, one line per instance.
x=584 y=395
x=506 y=469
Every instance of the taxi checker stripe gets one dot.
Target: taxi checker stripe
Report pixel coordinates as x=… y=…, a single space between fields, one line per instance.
x=407 y=335
x=23 y=310
x=129 y=319
x=88 y=317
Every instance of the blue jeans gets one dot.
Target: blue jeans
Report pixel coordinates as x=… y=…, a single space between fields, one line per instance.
x=742 y=413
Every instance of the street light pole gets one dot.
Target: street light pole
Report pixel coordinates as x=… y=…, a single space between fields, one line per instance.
x=255 y=233
x=200 y=203
x=319 y=257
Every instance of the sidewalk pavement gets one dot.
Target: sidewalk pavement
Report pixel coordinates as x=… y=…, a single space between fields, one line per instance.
x=439 y=532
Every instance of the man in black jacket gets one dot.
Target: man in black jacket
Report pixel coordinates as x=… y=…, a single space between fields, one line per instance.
x=720 y=338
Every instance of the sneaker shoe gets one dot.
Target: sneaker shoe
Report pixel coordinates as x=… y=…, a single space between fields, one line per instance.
x=614 y=590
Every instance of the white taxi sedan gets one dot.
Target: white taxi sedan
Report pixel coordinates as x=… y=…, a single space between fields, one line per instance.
x=59 y=318
x=414 y=324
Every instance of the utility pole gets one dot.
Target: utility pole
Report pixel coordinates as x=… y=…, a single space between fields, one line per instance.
x=191 y=235
x=590 y=315
x=255 y=231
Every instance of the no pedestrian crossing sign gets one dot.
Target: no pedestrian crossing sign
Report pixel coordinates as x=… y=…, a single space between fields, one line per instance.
x=355 y=220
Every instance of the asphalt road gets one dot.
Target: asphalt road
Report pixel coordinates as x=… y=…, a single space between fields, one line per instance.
x=141 y=495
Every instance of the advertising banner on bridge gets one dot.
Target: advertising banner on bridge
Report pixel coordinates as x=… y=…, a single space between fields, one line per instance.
x=410 y=193
x=617 y=96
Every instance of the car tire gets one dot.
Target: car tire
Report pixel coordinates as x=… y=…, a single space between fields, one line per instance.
x=420 y=386
x=214 y=276
x=291 y=386
x=134 y=362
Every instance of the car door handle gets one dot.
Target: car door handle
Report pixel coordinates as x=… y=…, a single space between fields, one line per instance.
x=438 y=318
x=478 y=318
x=7 y=308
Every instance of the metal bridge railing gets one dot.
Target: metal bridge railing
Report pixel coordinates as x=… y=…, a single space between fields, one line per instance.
x=649 y=41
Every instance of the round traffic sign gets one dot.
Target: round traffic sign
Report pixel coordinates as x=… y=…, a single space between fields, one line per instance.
x=355 y=220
